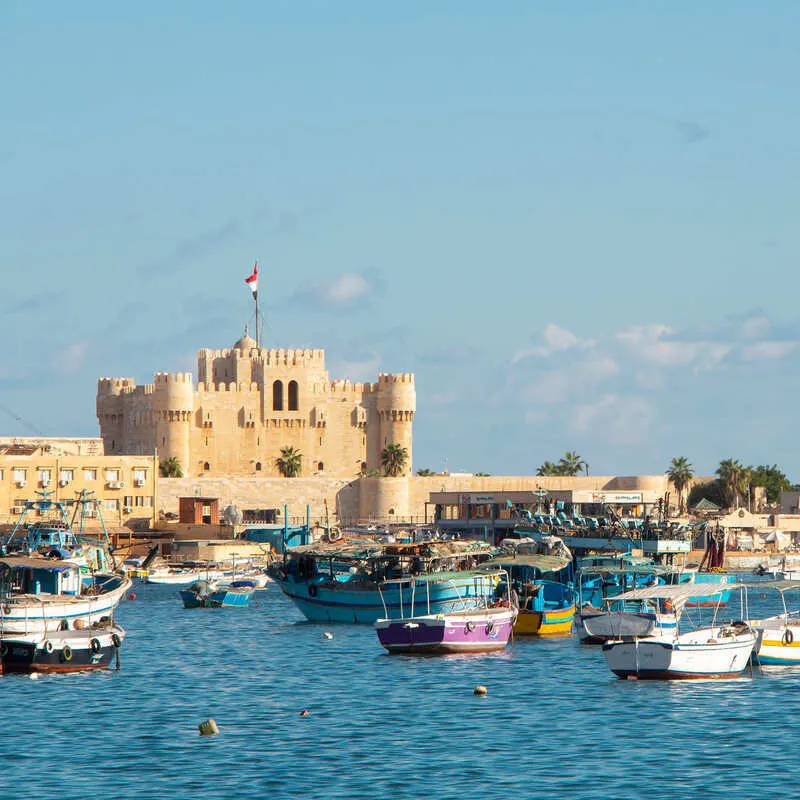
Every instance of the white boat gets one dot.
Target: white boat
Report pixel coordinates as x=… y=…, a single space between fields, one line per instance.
x=719 y=651
x=179 y=575
x=779 y=641
x=46 y=594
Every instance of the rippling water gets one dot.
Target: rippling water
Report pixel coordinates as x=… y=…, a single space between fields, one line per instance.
x=555 y=723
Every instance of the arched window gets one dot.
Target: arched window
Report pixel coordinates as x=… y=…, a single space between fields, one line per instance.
x=206 y=466
x=258 y=466
x=293 y=398
x=320 y=467
x=277 y=396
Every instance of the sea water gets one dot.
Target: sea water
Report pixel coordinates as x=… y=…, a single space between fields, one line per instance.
x=555 y=721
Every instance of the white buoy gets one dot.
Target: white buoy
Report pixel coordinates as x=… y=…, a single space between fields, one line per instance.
x=208 y=728
x=480 y=690
x=34 y=676
x=327 y=635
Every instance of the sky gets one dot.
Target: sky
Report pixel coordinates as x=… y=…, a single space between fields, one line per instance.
x=575 y=223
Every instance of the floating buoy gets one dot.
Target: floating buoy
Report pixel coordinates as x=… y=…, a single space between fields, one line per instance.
x=327 y=635
x=132 y=596
x=208 y=728
x=34 y=676
x=633 y=677
x=480 y=690
x=304 y=712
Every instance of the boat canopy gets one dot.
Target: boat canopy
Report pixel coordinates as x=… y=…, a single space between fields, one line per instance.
x=440 y=577
x=544 y=563
x=362 y=549
x=678 y=593
x=779 y=586
x=633 y=569
x=50 y=564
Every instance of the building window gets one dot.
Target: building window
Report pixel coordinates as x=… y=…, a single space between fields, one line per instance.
x=66 y=476
x=258 y=466
x=90 y=474
x=139 y=477
x=363 y=466
x=1 y=474
x=320 y=467
x=112 y=474
x=113 y=444
x=277 y=396
x=206 y=466
x=293 y=398
x=110 y=505
x=20 y=474
x=44 y=477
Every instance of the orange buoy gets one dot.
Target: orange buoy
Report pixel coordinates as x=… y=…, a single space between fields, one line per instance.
x=304 y=712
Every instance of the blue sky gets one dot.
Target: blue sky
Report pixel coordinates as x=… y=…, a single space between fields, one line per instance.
x=574 y=222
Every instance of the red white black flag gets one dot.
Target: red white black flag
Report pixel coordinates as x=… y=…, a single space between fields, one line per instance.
x=252 y=281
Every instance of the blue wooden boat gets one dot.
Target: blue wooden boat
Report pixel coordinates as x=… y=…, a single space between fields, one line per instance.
x=202 y=594
x=339 y=581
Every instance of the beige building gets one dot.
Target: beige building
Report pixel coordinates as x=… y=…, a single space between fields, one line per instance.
x=248 y=404
x=125 y=486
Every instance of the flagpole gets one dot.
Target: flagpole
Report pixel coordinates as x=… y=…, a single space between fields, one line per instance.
x=255 y=297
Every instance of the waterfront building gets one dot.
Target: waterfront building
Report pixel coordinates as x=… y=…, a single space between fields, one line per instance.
x=248 y=404
x=125 y=486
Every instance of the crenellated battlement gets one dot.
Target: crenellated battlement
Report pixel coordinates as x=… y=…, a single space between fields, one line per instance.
x=164 y=378
x=114 y=385
x=395 y=377
x=275 y=357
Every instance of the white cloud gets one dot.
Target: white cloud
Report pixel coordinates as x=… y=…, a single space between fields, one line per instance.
x=768 y=351
x=364 y=370
x=556 y=340
x=69 y=360
x=615 y=419
x=343 y=292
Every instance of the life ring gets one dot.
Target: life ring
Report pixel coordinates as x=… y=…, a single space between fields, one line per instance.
x=116 y=640
x=489 y=626
x=66 y=653
x=48 y=647
x=95 y=645
x=312 y=590
x=788 y=637
x=469 y=627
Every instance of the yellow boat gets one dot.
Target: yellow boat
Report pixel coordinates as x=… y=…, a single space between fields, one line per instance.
x=547 y=601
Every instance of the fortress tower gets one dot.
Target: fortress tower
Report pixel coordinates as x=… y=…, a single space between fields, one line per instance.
x=397 y=402
x=173 y=411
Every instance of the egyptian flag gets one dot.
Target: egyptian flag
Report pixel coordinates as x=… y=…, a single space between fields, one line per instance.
x=252 y=281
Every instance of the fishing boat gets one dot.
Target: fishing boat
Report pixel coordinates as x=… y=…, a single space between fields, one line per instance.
x=718 y=651
x=47 y=594
x=62 y=651
x=339 y=581
x=779 y=642
x=207 y=594
x=479 y=627
x=596 y=622
x=542 y=585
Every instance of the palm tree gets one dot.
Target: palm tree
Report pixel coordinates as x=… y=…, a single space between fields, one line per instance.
x=393 y=459
x=549 y=468
x=425 y=473
x=170 y=468
x=680 y=472
x=290 y=463
x=735 y=480
x=571 y=463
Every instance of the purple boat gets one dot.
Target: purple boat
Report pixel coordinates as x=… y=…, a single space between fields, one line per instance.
x=482 y=627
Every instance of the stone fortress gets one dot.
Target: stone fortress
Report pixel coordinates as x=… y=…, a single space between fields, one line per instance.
x=248 y=404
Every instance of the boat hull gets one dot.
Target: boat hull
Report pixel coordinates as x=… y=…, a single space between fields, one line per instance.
x=779 y=644
x=74 y=651
x=321 y=603
x=702 y=654
x=35 y=613
x=220 y=598
x=477 y=632
x=550 y=622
